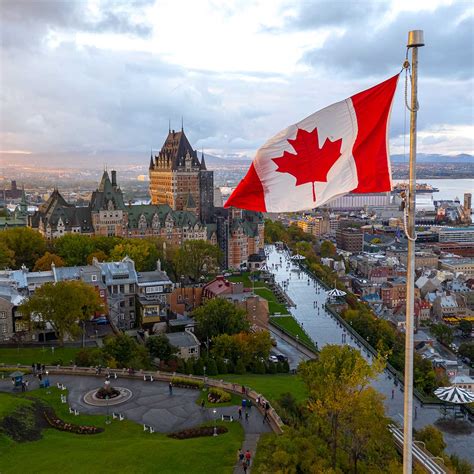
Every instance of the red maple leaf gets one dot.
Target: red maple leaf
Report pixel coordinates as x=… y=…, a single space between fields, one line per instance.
x=310 y=163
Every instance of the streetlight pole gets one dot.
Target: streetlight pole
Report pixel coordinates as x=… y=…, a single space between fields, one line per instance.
x=215 y=422
x=415 y=40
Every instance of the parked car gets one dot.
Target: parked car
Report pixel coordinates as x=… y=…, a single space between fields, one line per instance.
x=273 y=358
x=282 y=358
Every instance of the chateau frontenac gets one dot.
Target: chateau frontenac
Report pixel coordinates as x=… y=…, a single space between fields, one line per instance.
x=182 y=208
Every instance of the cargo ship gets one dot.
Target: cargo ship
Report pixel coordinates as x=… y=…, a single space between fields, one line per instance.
x=421 y=188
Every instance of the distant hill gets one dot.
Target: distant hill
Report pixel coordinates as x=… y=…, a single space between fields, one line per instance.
x=426 y=158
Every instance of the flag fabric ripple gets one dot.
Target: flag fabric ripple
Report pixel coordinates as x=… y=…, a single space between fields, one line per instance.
x=339 y=149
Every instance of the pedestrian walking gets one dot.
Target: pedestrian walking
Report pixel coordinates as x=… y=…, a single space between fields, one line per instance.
x=240 y=413
x=202 y=404
x=33 y=368
x=40 y=377
x=247 y=416
x=393 y=393
x=170 y=388
x=248 y=457
x=240 y=456
x=244 y=466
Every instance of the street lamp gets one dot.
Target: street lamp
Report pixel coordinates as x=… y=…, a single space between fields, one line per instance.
x=215 y=422
x=107 y=418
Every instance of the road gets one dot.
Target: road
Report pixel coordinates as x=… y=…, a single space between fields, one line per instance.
x=310 y=298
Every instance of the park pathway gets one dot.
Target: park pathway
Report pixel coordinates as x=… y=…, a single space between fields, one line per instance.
x=250 y=443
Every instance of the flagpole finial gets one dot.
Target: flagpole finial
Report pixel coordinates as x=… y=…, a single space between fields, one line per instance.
x=415 y=39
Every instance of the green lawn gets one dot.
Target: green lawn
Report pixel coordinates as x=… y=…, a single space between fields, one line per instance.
x=42 y=355
x=122 y=447
x=270 y=386
x=273 y=305
x=235 y=400
x=290 y=324
x=245 y=278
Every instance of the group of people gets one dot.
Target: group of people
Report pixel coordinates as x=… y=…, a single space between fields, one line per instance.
x=245 y=409
x=244 y=459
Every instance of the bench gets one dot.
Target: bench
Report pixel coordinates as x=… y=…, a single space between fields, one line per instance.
x=148 y=428
x=148 y=378
x=63 y=399
x=118 y=416
x=73 y=410
x=227 y=418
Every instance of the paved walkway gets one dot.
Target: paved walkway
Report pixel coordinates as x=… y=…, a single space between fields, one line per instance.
x=250 y=443
x=151 y=404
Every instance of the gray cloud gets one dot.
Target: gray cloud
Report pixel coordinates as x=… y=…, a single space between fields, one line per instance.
x=25 y=23
x=361 y=49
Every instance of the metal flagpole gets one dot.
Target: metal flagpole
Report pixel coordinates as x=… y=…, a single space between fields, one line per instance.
x=415 y=40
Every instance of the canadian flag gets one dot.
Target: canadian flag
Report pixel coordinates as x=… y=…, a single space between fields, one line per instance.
x=339 y=149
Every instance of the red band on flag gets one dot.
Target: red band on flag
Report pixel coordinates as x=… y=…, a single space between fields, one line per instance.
x=249 y=193
x=370 y=151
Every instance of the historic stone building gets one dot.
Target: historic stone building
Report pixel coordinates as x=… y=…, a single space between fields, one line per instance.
x=182 y=208
x=178 y=177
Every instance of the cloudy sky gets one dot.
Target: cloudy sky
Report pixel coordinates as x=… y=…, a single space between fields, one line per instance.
x=97 y=76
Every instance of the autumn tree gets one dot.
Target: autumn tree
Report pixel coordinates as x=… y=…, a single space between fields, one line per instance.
x=219 y=316
x=443 y=332
x=142 y=252
x=74 y=248
x=124 y=351
x=433 y=439
x=465 y=327
x=244 y=347
x=335 y=378
x=7 y=256
x=159 y=346
x=44 y=263
x=99 y=255
x=327 y=249
x=26 y=244
x=62 y=305
x=198 y=258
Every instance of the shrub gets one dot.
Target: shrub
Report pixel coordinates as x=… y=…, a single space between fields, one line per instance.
x=211 y=367
x=221 y=366
x=198 y=432
x=198 y=367
x=187 y=383
x=22 y=425
x=189 y=367
x=240 y=367
x=61 y=425
x=216 y=395
x=258 y=367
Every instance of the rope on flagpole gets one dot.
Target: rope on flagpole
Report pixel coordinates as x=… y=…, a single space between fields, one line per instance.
x=406 y=66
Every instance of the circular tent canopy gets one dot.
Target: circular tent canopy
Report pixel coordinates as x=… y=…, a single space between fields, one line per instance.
x=335 y=293
x=454 y=395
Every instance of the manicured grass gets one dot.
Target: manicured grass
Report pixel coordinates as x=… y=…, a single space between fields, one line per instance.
x=273 y=305
x=42 y=355
x=8 y=403
x=122 y=447
x=245 y=278
x=234 y=401
x=270 y=386
x=290 y=324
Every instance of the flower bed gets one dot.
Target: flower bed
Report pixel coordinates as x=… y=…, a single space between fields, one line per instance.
x=216 y=395
x=187 y=383
x=61 y=425
x=198 y=432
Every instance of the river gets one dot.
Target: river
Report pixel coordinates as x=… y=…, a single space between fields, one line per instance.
x=449 y=189
x=310 y=298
